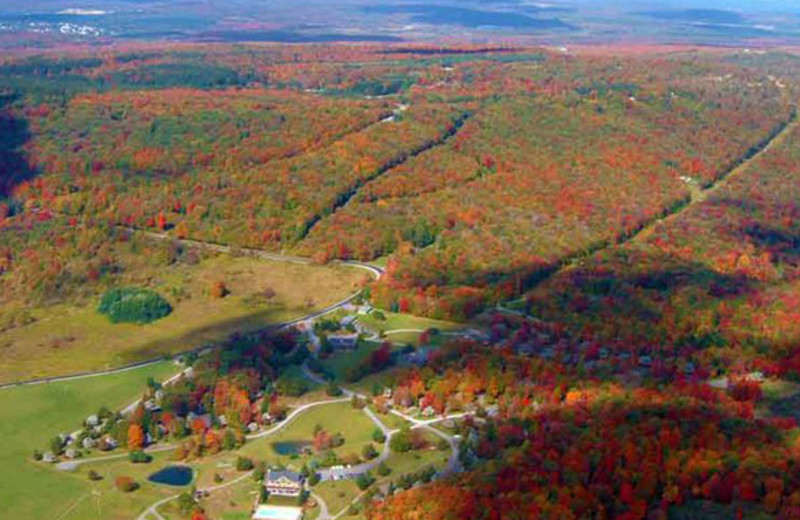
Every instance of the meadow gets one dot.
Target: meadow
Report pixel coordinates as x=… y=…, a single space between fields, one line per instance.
x=33 y=414
x=356 y=429
x=67 y=338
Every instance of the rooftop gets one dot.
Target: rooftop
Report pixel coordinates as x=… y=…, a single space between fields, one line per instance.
x=275 y=474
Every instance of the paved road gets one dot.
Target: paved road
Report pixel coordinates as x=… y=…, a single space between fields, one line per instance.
x=152 y=511
x=323 y=507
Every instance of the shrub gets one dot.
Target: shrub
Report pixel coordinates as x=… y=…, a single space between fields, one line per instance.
x=56 y=445
x=125 y=484
x=364 y=481
x=369 y=452
x=217 y=478
x=383 y=469
x=244 y=464
x=186 y=503
x=139 y=457
x=333 y=389
x=133 y=305
x=401 y=442
x=378 y=435
x=293 y=387
x=219 y=290
x=426 y=475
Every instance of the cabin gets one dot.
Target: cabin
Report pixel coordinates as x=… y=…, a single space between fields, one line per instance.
x=283 y=483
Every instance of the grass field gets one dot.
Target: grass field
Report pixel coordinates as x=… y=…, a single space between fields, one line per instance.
x=104 y=501
x=32 y=415
x=70 y=339
x=411 y=461
x=397 y=321
x=337 y=495
x=353 y=424
x=341 y=361
x=392 y=421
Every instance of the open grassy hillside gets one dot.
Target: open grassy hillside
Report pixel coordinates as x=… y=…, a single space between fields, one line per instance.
x=32 y=415
x=60 y=331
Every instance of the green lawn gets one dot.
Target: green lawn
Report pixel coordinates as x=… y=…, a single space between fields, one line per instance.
x=409 y=462
x=342 y=418
x=340 y=362
x=107 y=502
x=396 y=321
x=32 y=415
x=69 y=338
x=337 y=495
x=392 y=421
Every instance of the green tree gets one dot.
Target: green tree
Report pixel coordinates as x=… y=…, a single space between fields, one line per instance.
x=244 y=464
x=383 y=469
x=186 y=503
x=364 y=480
x=401 y=441
x=229 y=440
x=369 y=452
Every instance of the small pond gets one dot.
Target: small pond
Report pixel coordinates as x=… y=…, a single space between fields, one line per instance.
x=172 y=476
x=290 y=447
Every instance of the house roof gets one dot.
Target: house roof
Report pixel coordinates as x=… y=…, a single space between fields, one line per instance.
x=277 y=474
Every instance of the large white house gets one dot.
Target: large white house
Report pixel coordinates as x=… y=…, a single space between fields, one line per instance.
x=283 y=483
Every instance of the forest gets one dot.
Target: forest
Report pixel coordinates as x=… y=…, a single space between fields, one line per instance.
x=622 y=228
x=477 y=173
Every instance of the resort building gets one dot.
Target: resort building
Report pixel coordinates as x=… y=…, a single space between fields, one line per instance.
x=283 y=483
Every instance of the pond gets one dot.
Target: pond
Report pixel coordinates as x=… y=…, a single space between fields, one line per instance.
x=290 y=447
x=172 y=476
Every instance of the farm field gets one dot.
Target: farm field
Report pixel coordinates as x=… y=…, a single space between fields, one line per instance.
x=67 y=339
x=32 y=415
